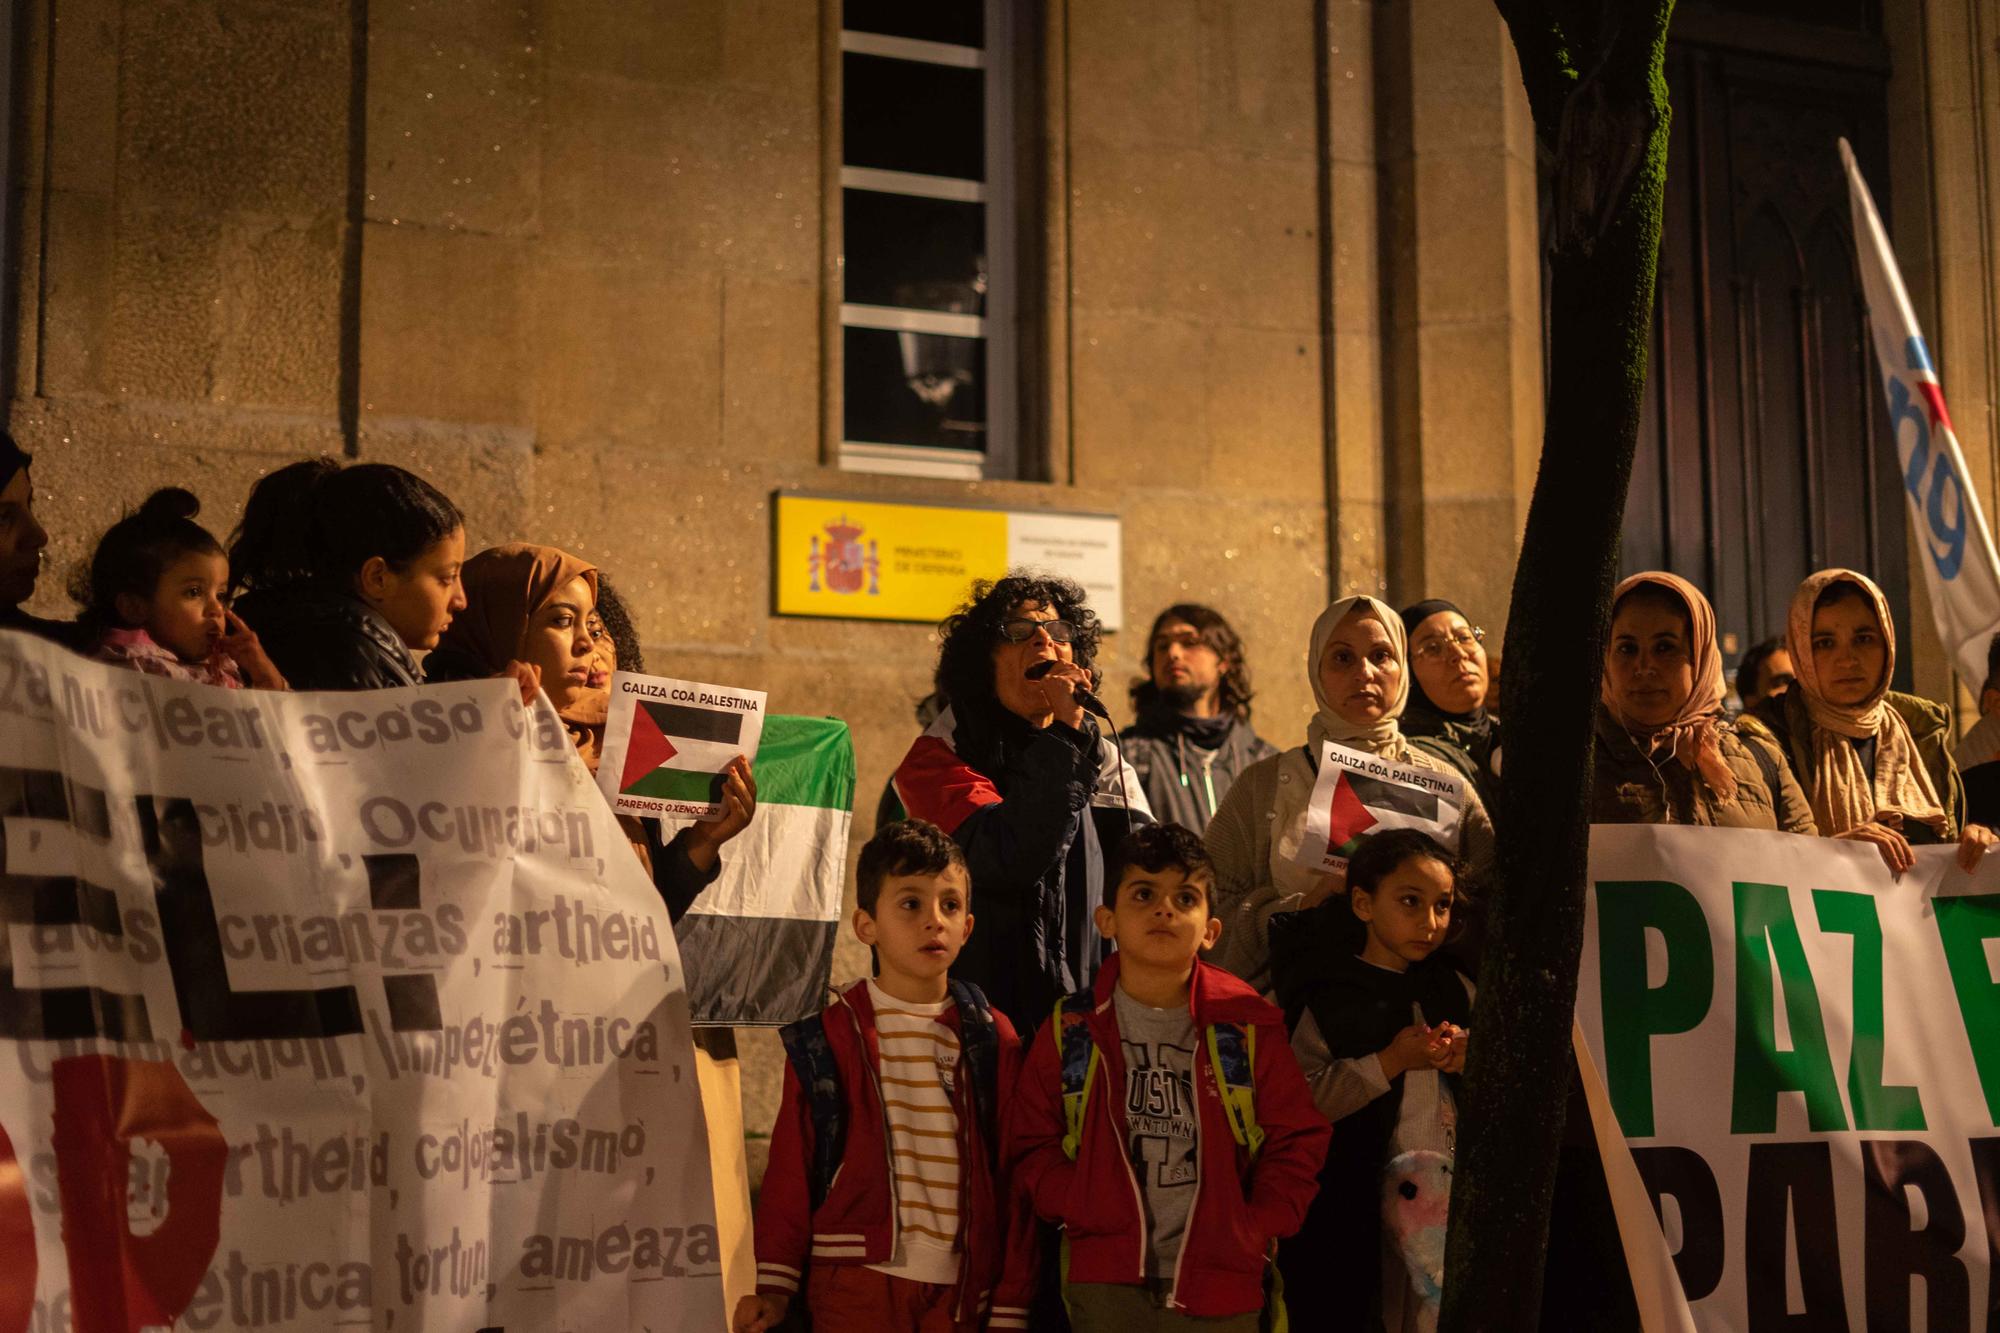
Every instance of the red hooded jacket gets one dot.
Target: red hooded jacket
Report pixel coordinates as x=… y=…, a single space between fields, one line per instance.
x=856 y=1223
x=1239 y=1208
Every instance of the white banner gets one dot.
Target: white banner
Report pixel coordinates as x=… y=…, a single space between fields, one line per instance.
x=334 y=1010
x=1804 y=1054
x=1358 y=793
x=1960 y=567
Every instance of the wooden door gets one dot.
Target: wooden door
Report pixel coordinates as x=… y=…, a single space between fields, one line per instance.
x=1764 y=453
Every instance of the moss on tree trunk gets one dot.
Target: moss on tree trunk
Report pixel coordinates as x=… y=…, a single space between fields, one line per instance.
x=1594 y=73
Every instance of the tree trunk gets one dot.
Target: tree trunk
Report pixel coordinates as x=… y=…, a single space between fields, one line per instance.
x=1595 y=79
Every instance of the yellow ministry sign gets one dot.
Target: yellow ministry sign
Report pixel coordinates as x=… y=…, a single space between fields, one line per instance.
x=867 y=560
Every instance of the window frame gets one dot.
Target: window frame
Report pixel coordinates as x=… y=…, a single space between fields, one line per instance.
x=1006 y=456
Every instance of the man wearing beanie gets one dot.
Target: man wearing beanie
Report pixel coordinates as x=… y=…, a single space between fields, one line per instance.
x=21 y=542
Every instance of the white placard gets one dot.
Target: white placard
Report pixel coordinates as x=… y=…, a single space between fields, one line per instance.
x=667 y=741
x=1358 y=793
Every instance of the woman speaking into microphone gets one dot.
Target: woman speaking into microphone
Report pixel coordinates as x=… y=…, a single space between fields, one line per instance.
x=1019 y=773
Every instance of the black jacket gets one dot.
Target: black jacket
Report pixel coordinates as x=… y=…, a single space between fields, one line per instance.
x=67 y=633
x=1186 y=765
x=322 y=638
x=1029 y=809
x=1359 y=1009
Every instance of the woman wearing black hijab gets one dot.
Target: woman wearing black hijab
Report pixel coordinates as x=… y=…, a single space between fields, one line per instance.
x=1447 y=711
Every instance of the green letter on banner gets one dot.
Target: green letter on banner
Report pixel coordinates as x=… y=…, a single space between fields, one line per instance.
x=1964 y=925
x=1766 y=929
x=1875 y=1107
x=1634 y=1013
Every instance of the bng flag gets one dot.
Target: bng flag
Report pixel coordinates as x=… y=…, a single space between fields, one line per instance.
x=1960 y=567
x=1359 y=793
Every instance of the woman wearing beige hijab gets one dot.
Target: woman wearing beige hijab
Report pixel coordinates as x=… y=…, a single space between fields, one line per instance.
x=1666 y=751
x=1874 y=762
x=1357 y=662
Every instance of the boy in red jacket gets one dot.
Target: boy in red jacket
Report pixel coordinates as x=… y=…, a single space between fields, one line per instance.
x=1161 y=1118
x=881 y=1167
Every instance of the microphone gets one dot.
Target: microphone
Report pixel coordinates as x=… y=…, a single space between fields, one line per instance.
x=1090 y=702
x=1095 y=705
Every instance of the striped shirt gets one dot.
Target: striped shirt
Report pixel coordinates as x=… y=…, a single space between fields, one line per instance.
x=919 y=1065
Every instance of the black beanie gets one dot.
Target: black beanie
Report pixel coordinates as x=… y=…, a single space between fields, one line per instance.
x=1417 y=613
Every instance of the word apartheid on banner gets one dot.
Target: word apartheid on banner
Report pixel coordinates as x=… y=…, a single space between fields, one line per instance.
x=1803 y=1052
x=759 y=941
x=325 y=1010
x=1358 y=793
x=667 y=741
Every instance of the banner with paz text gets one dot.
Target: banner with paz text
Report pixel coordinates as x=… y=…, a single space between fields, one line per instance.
x=1803 y=1053
x=323 y=1011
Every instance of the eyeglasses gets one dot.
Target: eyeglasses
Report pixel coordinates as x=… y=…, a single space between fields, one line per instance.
x=1459 y=641
x=1020 y=631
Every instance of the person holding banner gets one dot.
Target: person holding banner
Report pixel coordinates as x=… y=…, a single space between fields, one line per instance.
x=1357 y=661
x=536 y=605
x=1666 y=750
x=1876 y=762
x=346 y=573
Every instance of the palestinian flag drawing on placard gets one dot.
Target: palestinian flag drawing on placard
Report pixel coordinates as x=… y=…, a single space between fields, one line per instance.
x=758 y=943
x=1358 y=794
x=1362 y=805
x=676 y=751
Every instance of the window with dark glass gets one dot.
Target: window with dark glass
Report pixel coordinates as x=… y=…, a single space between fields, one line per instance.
x=927 y=227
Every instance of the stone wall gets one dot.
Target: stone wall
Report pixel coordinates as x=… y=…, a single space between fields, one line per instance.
x=571 y=261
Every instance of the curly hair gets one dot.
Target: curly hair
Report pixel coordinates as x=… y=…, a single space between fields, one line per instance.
x=1157 y=847
x=616 y=615
x=903 y=847
x=967 y=638
x=1233 y=692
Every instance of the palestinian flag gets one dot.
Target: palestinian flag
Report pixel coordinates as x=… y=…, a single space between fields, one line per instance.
x=1362 y=805
x=1358 y=794
x=758 y=943
x=677 y=751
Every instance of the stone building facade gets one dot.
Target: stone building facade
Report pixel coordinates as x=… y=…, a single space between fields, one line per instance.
x=580 y=263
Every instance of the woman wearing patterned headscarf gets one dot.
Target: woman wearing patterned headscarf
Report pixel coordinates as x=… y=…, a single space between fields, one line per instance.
x=1666 y=751
x=1357 y=662
x=1874 y=762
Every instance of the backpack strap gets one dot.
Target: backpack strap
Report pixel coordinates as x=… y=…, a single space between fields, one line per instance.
x=1232 y=1054
x=979 y=1047
x=819 y=1078
x=1079 y=1060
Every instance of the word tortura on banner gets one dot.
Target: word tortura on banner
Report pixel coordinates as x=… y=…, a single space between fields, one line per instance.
x=684 y=696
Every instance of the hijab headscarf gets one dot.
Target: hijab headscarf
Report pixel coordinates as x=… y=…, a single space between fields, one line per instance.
x=1691 y=735
x=1844 y=794
x=1382 y=736
x=1424 y=717
x=504 y=587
